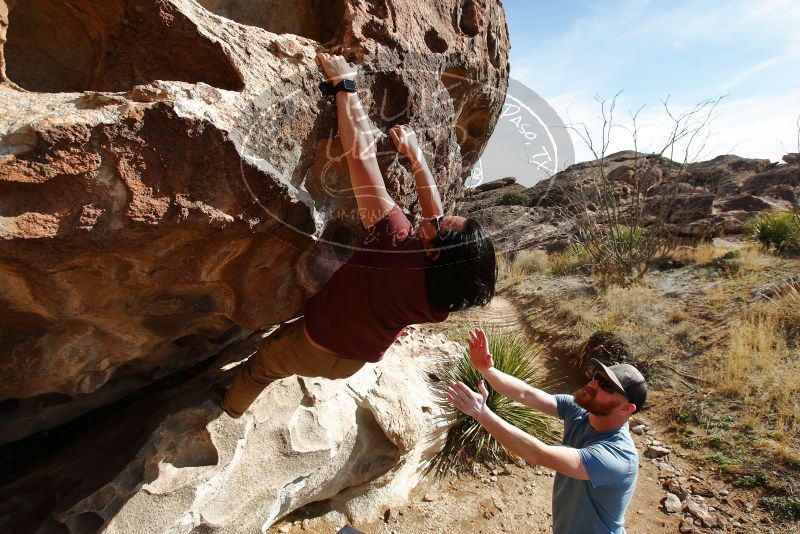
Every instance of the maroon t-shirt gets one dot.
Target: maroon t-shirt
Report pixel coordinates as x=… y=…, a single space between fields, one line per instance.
x=371 y=298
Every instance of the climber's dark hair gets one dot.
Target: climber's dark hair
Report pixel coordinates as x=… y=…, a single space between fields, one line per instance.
x=465 y=272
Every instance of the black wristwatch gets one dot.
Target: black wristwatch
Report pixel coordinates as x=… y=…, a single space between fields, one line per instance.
x=345 y=85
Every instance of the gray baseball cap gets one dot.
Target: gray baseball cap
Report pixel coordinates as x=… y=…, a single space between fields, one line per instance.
x=628 y=379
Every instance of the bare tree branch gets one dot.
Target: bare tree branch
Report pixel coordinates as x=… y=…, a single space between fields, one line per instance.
x=622 y=214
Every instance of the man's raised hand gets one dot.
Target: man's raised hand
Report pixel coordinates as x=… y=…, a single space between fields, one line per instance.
x=479 y=353
x=337 y=68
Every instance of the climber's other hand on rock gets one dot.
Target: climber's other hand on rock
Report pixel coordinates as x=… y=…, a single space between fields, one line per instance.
x=336 y=68
x=405 y=140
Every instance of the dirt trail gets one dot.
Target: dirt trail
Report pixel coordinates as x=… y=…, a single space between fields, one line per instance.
x=512 y=498
x=499 y=313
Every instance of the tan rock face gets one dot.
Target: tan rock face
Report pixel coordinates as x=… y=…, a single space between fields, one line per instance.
x=170 y=175
x=362 y=443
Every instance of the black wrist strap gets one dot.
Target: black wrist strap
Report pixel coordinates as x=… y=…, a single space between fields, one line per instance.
x=345 y=85
x=327 y=88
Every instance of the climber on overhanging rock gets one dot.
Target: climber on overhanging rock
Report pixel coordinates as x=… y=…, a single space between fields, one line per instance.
x=397 y=276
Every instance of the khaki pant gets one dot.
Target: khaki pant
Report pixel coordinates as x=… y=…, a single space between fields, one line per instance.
x=285 y=352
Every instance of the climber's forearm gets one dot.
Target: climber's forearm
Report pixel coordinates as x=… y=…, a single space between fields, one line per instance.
x=358 y=143
x=355 y=127
x=429 y=200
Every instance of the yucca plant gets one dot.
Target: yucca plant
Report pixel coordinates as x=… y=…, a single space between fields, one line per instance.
x=624 y=241
x=775 y=230
x=467 y=441
x=619 y=254
x=570 y=261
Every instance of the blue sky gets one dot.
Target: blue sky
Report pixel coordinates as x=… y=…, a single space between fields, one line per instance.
x=749 y=51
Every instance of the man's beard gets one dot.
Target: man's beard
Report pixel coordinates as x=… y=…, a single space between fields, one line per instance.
x=585 y=400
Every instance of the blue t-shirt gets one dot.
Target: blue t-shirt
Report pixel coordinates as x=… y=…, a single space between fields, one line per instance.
x=596 y=505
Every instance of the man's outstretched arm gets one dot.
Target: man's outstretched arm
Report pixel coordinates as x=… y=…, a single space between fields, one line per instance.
x=405 y=140
x=504 y=384
x=358 y=142
x=564 y=460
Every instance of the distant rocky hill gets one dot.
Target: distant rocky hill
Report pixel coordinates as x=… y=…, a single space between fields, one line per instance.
x=712 y=198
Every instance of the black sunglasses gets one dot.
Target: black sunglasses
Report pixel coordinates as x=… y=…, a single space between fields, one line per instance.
x=605 y=384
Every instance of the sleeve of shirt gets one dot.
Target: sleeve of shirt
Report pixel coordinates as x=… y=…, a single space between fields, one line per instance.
x=389 y=232
x=605 y=465
x=567 y=409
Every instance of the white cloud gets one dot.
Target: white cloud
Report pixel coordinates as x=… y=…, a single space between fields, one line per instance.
x=758 y=68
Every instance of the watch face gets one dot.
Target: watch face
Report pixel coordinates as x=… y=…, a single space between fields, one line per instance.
x=349 y=85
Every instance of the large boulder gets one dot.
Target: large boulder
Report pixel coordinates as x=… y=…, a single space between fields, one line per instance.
x=495 y=184
x=724 y=175
x=361 y=444
x=792 y=158
x=749 y=202
x=171 y=177
x=787 y=175
x=681 y=208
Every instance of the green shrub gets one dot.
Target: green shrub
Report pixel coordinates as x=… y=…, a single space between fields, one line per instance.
x=571 y=261
x=720 y=459
x=752 y=481
x=690 y=416
x=514 y=198
x=775 y=230
x=467 y=440
x=619 y=255
x=620 y=248
x=625 y=239
x=606 y=325
x=783 y=507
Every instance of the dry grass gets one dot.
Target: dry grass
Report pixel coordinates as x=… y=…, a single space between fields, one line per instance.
x=748 y=256
x=507 y=272
x=632 y=303
x=532 y=261
x=643 y=319
x=676 y=316
x=513 y=269
x=752 y=258
x=700 y=254
x=637 y=315
x=761 y=366
x=719 y=296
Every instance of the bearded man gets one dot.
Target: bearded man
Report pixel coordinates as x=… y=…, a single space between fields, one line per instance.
x=596 y=463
